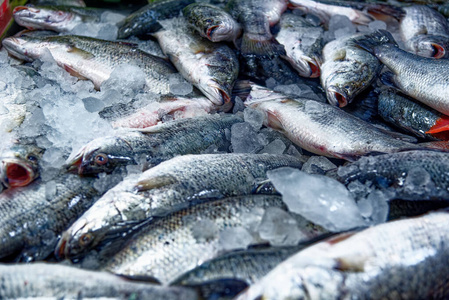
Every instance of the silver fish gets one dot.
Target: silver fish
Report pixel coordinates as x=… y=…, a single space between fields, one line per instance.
x=169 y=186
x=395 y=260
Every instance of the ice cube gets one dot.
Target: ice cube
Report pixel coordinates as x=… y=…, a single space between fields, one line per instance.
x=204 y=229
x=244 y=139
x=254 y=117
x=275 y=147
x=376 y=25
x=318 y=165
x=92 y=104
x=234 y=238
x=238 y=105
x=179 y=86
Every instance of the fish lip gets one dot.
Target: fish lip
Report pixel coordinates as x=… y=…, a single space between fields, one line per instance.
x=439 y=50
x=337 y=96
x=218 y=94
x=12 y=165
x=210 y=31
x=308 y=67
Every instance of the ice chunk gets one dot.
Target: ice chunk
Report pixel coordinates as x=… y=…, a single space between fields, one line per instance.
x=234 y=238
x=107 y=32
x=290 y=89
x=111 y=17
x=279 y=228
x=178 y=85
x=320 y=199
x=254 y=117
x=376 y=25
x=271 y=83
x=418 y=182
x=204 y=229
x=92 y=104
x=313 y=107
x=318 y=165
x=341 y=26
x=105 y=182
x=244 y=139
x=251 y=220
x=275 y=147
x=126 y=78
x=374 y=207
x=85 y=29
x=238 y=105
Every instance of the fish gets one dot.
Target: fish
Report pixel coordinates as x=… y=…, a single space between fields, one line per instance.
x=256 y=17
x=78 y=3
x=347 y=70
x=211 y=67
x=398 y=172
x=171 y=246
x=211 y=22
x=422 y=78
x=55 y=18
x=57 y=281
x=321 y=128
x=90 y=58
x=303 y=43
x=232 y=272
x=412 y=116
x=425 y=32
x=155 y=144
x=32 y=217
x=170 y=186
x=20 y=164
x=146 y=19
x=381 y=262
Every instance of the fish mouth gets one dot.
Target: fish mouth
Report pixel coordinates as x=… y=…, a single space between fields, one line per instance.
x=337 y=96
x=210 y=32
x=308 y=67
x=438 y=50
x=74 y=163
x=16 y=173
x=217 y=94
x=14 y=47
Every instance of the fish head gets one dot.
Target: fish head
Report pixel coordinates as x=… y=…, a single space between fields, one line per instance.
x=41 y=18
x=218 y=93
x=307 y=66
x=222 y=31
x=101 y=155
x=429 y=46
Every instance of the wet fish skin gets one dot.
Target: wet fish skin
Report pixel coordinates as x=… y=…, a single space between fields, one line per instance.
x=66 y=282
x=360 y=265
x=32 y=217
x=155 y=144
x=145 y=20
x=91 y=58
x=211 y=22
x=347 y=70
x=211 y=67
x=78 y=3
x=424 y=79
x=321 y=128
x=425 y=32
x=169 y=186
x=180 y=250
x=294 y=32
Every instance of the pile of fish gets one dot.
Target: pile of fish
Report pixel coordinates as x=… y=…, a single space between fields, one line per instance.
x=247 y=149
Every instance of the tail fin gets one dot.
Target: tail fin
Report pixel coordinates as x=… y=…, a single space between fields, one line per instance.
x=259 y=46
x=369 y=41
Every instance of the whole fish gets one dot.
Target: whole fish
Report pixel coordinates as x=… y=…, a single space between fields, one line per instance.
x=230 y=273
x=56 y=281
x=256 y=17
x=212 y=22
x=211 y=67
x=347 y=70
x=395 y=260
x=91 y=58
x=169 y=247
x=32 y=217
x=168 y=187
x=424 y=79
x=412 y=116
x=146 y=20
x=425 y=32
x=156 y=144
x=321 y=128
x=56 y=18
x=303 y=44
x=411 y=175
x=20 y=164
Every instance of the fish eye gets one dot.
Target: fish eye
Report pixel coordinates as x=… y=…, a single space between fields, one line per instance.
x=85 y=239
x=101 y=159
x=32 y=158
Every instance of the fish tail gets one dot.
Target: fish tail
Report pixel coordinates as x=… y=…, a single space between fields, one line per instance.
x=370 y=41
x=381 y=11
x=254 y=45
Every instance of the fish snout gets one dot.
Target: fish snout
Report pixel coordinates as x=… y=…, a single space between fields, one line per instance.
x=75 y=241
x=337 y=96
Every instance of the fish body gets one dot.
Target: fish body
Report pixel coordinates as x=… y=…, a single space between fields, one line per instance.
x=156 y=144
x=168 y=187
x=382 y=262
x=303 y=44
x=425 y=32
x=169 y=247
x=211 y=67
x=91 y=58
x=146 y=19
x=412 y=175
x=424 y=79
x=322 y=128
x=55 y=18
x=211 y=22
x=346 y=70
x=32 y=217
x=56 y=281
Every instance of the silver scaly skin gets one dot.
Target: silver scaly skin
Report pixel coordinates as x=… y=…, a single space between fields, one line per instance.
x=211 y=67
x=346 y=70
x=425 y=32
x=92 y=59
x=168 y=187
x=169 y=247
x=56 y=281
x=303 y=43
x=321 y=128
x=396 y=260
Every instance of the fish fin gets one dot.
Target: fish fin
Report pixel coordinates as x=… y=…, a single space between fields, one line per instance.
x=379 y=11
x=155 y=182
x=387 y=78
x=141 y=278
x=73 y=72
x=370 y=41
x=436 y=145
x=442 y=124
x=80 y=52
x=348 y=157
x=399 y=136
x=273 y=121
x=262 y=48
